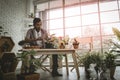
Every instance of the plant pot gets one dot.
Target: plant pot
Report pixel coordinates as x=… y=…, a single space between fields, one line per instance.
x=87 y=74
x=112 y=71
x=76 y=46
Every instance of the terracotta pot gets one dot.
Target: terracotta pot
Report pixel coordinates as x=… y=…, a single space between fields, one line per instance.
x=76 y=46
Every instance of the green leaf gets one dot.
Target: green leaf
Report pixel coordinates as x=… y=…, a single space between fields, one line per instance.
x=116 y=32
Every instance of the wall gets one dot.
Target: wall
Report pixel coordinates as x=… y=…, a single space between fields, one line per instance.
x=12 y=14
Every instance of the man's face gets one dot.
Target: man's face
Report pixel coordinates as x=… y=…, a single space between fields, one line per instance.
x=38 y=25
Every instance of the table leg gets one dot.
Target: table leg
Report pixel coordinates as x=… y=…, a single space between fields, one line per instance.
x=44 y=58
x=75 y=64
x=42 y=67
x=66 y=61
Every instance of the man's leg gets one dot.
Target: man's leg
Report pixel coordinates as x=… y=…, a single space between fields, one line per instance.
x=55 y=66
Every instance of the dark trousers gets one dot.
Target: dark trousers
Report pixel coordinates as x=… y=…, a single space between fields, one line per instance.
x=55 y=63
x=54 y=58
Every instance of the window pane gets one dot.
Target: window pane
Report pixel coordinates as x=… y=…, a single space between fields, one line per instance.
x=107 y=28
x=96 y=42
x=45 y=24
x=108 y=6
x=112 y=16
x=57 y=32
x=42 y=6
x=72 y=21
x=119 y=4
x=56 y=23
x=56 y=13
x=89 y=8
x=105 y=42
x=73 y=32
x=70 y=2
x=90 y=19
x=89 y=31
x=55 y=4
x=70 y=11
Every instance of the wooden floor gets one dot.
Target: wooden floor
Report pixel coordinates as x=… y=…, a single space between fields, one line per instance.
x=44 y=75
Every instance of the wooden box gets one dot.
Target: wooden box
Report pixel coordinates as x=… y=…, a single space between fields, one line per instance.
x=6 y=44
x=35 y=76
x=9 y=76
x=8 y=62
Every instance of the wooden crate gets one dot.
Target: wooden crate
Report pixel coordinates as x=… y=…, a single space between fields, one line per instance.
x=35 y=76
x=9 y=76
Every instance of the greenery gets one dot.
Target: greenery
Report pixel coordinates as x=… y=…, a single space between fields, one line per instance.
x=116 y=32
x=109 y=59
x=98 y=58
x=92 y=57
x=106 y=58
x=29 y=62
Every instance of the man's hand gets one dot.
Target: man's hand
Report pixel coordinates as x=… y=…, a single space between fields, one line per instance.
x=39 y=38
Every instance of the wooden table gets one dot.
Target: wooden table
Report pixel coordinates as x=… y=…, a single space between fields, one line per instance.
x=59 y=51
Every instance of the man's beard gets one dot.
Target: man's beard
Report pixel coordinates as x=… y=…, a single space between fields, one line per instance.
x=37 y=29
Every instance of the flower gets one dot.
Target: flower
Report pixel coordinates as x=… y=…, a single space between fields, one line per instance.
x=57 y=41
x=53 y=41
x=66 y=39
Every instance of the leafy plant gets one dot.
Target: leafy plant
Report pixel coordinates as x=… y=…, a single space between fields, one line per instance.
x=25 y=53
x=109 y=59
x=29 y=62
x=116 y=32
x=92 y=57
x=109 y=63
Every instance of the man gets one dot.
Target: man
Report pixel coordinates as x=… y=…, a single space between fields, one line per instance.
x=37 y=37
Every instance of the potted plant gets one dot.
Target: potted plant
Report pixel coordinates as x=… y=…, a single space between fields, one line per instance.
x=75 y=44
x=29 y=63
x=89 y=58
x=110 y=56
x=110 y=63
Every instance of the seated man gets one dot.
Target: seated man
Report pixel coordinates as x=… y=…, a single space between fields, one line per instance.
x=37 y=37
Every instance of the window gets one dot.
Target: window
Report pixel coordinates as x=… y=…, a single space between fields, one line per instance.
x=107 y=17
x=56 y=23
x=89 y=8
x=107 y=28
x=56 y=13
x=108 y=6
x=73 y=32
x=72 y=11
x=72 y=21
x=90 y=19
x=76 y=18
